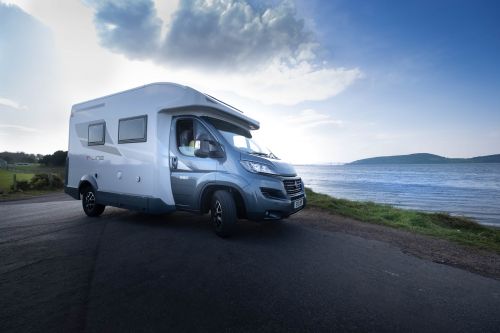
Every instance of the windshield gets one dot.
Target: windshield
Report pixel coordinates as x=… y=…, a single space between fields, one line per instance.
x=240 y=138
x=248 y=145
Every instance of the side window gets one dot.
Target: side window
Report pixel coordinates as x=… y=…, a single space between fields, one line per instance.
x=96 y=134
x=201 y=132
x=188 y=132
x=185 y=136
x=133 y=129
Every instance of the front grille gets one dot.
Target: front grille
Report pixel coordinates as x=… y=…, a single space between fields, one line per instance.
x=293 y=186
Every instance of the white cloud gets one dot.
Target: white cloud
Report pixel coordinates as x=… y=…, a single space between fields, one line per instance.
x=221 y=34
x=263 y=54
x=11 y=104
x=18 y=128
x=309 y=118
x=280 y=84
x=165 y=10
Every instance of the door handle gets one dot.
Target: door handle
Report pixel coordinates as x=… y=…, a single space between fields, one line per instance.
x=173 y=161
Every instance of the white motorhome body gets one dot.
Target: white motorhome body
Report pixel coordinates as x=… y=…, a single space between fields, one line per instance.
x=122 y=147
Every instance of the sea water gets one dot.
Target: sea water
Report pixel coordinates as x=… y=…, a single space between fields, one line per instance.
x=459 y=189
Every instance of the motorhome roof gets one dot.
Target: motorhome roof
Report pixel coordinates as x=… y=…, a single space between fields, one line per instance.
x=190 y=97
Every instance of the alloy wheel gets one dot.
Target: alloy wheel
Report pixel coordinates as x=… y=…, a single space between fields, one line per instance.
x=217 y=217
x=90 y=201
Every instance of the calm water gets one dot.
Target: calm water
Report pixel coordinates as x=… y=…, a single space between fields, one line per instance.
x=460 y=189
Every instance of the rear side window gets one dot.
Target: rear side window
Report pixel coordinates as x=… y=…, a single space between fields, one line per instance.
x=96 y=134
x=133 y=129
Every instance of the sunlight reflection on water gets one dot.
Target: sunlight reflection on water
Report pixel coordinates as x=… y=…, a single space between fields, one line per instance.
x=460 y=189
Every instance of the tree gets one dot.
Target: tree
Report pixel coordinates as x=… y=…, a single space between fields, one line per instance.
x=56 y=159
x=18 y=157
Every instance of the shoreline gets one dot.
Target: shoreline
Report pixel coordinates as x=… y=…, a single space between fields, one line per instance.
x=457 y=229
x=468 y=190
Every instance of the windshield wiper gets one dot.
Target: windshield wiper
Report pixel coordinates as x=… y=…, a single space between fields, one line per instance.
x=258 y=153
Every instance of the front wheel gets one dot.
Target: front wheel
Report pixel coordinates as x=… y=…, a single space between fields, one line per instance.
x=223 y=213
x=90 y=207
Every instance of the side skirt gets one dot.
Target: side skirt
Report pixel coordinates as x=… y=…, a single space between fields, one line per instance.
x=139 y=203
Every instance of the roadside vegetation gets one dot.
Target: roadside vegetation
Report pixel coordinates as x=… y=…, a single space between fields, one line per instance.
x=462 y=230
x=26 y=175
x=30 y=181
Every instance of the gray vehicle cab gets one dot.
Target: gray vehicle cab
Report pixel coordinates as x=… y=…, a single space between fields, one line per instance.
x=165 y=147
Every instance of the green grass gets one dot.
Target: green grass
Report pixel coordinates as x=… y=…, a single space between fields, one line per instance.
x=24 y=172
x=6 y=178
x=457 y=229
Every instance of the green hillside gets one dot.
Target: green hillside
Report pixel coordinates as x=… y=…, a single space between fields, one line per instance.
x=424 y=158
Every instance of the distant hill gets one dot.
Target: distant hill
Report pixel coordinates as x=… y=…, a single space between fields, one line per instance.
x=424 y=158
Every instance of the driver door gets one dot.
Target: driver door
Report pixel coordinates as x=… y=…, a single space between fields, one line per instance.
x=189 y=173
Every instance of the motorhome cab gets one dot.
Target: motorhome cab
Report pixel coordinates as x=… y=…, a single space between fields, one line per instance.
x=165 y=147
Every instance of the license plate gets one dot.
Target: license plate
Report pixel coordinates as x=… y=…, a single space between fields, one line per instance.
x=298 y=203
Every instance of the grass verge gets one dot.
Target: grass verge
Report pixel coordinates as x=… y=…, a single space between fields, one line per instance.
x=25 y=173
x=6 y=178
x=457 y=229
x=26 y=194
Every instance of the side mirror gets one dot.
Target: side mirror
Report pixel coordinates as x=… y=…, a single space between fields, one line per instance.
x=201 y=148
x=217 y=151
x=207 y=148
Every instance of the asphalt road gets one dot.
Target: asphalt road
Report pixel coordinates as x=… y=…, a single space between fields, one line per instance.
x=125 y=271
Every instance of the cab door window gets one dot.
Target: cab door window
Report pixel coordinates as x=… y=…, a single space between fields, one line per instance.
x=185 y=136
x=189 y=134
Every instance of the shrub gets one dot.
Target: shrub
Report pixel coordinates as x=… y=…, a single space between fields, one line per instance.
x=40 y=181
x=22 y=185
x=57 y=182
x=44 y=182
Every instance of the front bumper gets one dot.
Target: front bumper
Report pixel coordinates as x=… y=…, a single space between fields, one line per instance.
x=268 y=199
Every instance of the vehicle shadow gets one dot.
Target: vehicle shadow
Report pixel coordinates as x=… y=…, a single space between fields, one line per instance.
x=188 y=223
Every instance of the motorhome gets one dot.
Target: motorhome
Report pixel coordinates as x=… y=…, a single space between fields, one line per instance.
x=164 y=147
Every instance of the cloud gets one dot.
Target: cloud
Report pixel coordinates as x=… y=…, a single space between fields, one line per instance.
x=128 y=26
x=262 y=52
x=205 y=33
x=10 y=104
x=233 y=34
x=19 y=128
x=310 y=118
x=286 y=85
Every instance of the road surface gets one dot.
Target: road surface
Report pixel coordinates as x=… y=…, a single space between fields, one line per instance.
x=126 y=271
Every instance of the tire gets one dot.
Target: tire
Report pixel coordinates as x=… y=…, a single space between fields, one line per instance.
x=223 y=213
x=90 y=207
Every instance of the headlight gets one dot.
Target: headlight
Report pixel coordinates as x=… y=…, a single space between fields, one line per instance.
x=256 y=167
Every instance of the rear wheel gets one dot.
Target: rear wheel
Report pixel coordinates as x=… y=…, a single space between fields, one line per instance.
x=223 y=213
x=90 y=207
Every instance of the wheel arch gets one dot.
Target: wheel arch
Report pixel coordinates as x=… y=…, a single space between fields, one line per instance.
x=86 y=181
x=208 y=192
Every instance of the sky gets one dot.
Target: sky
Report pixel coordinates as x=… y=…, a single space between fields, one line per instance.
x=329 y=80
